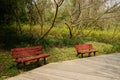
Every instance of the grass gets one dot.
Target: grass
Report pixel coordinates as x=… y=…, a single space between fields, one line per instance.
x=6 y=65
x=58 y=54
x=58 y=44
x=103 y=48
x=62 y=54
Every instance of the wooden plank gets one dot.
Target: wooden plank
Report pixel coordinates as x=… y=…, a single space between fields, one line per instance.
x=101 y=68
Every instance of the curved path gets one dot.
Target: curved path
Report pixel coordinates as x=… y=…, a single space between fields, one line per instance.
x=105 y=67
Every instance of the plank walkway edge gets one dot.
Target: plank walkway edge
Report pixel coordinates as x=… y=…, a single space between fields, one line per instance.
x=104 y=67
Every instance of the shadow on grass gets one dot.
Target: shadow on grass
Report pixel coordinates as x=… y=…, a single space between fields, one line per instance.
x=29 y=65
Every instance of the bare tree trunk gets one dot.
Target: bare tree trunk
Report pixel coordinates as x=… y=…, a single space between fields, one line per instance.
x=18 y=24
x=52 y=23
x=70 y=31
x=41 y=17
x=58 y=4
x=115 y=33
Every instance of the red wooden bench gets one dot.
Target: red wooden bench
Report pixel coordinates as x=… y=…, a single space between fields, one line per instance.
x=85 y=48
x=22 y=55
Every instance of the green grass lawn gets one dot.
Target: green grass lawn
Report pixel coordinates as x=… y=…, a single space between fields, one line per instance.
x=8 y=68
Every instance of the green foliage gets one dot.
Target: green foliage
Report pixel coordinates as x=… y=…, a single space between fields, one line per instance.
x=59 y=42
x=10 y=10
x=62 y=54
x=7 y=65
x=103 y=48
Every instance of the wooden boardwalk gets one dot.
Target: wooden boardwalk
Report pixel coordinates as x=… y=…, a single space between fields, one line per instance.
x=105 y=67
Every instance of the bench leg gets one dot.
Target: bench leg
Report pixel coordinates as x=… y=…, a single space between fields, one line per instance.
x=37 y=60
x=24 y=66
x=94 y=54
x=17 y=65
x=44 y=60
x=77 y=54
x=82 y=55
x=89 y=54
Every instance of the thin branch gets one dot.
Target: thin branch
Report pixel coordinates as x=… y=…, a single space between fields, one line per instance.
x=70 y=30
x=55 y=2
x=61 y=2
x=40 y=15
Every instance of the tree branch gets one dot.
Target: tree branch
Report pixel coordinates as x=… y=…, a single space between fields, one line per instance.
x=56 y=12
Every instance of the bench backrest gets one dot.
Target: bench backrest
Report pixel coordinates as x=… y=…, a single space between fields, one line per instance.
x=26 y=52
x=83 y=47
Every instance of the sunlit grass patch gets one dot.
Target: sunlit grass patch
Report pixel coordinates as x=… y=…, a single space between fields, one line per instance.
x=103 y=48
x=62 y=54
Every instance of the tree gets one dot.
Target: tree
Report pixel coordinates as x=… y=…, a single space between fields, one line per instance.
x=57 y=5
x=87 y=14
x=9 y=8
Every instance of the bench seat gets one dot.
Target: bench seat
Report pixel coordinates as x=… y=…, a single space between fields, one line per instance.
x=85 y=49
x=22 y=55
x=22 y=60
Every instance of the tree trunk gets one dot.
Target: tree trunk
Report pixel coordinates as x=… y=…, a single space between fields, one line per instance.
x=70 y=31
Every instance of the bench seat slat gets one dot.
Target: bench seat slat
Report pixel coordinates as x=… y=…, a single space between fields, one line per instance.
x=32 y=58
x=86 y=51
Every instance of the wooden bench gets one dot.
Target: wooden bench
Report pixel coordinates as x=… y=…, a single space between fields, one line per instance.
x=22 y=55
x=85 y=48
